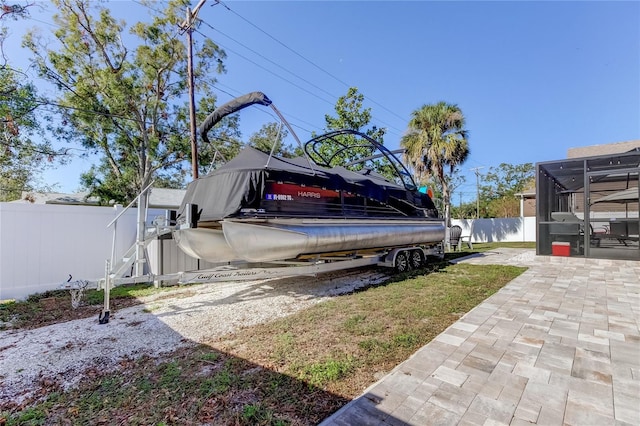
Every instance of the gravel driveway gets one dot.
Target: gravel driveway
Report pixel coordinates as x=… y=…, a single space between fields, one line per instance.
x=62 y=353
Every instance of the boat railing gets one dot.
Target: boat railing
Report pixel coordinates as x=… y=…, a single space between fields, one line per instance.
x=314 y=149
x=142 y=202
x=216 y=154
x=113 y=268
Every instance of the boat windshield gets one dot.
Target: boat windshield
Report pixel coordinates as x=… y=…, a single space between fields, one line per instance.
x=360 y=153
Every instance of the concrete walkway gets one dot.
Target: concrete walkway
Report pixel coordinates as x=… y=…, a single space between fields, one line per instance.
x=559 y=345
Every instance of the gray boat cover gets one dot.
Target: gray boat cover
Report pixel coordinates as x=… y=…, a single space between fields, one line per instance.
x=240 y=184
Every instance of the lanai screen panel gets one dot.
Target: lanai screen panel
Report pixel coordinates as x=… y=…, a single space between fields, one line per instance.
x=584 y=202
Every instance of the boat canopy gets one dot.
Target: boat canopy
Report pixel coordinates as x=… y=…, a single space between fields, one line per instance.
x=240 y=183
x=230 y=107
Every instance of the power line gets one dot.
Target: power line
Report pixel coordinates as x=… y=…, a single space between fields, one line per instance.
x=175 y=35
x=306 y=59
x=282 y=44
x=268 y=60
x=271 y=72
x=288 y=81
x=387 y=125
x=282 y=68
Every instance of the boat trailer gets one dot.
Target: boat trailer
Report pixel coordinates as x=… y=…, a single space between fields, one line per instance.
x=401 y=259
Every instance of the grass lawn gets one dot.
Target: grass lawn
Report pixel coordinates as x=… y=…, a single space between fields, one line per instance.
x=293 y=371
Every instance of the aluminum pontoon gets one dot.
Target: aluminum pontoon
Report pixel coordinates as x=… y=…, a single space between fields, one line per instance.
x=346 y=193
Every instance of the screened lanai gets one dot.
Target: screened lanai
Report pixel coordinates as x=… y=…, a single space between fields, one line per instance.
x=589 y=206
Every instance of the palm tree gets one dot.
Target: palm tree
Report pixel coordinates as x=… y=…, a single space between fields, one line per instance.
x=436 y=139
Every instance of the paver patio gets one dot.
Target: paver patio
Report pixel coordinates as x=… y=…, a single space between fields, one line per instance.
x=559 y=345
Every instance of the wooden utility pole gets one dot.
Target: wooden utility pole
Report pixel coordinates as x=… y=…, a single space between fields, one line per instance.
x=477 y=172
x=187 y=27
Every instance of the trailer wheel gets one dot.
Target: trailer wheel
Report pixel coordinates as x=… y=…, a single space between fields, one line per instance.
x=416 y=259
x=402 y=262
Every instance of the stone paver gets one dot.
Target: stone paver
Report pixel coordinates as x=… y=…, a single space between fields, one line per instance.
x=559 y=345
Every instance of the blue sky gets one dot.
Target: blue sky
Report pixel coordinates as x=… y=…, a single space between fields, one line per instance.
x=532 y=78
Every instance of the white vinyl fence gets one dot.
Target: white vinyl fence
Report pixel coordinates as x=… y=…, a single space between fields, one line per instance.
x=42 y=244
x=515 y=229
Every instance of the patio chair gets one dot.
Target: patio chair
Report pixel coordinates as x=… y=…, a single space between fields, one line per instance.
x=454 y=237
x=467 y=237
